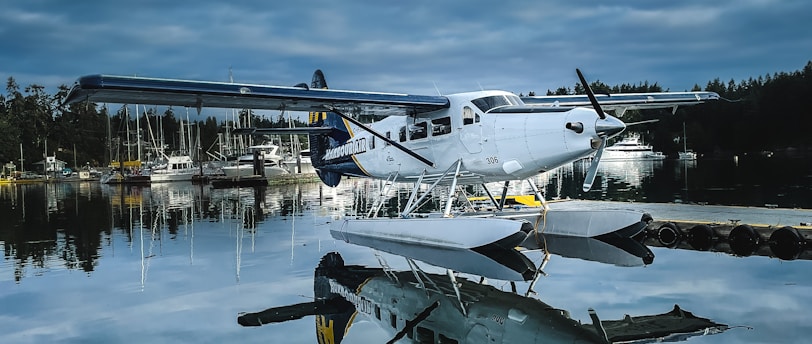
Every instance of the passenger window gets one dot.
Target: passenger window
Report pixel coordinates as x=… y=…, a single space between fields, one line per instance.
x=402 y=134
x=445 y=340
x=418 y=131
x=393 y=320
x=378 y=312
x=423 y=335
x=468 y=116
x=441 y=126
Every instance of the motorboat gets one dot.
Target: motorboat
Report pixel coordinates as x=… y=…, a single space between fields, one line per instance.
x=687 y=155
x=631 y=148
x=177 y=168
x=300 y=164
x=245 y=163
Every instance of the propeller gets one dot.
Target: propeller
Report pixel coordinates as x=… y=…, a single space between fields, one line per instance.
x=592 y=99
x=605 y=127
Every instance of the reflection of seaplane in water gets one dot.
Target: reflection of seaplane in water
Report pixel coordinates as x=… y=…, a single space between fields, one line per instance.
x=432 y=308
x=452 y=140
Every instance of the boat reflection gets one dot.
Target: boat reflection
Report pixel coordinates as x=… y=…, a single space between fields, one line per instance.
x=631 y=173
x=425 y=307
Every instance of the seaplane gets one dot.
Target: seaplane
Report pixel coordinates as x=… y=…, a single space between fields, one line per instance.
x=471 y=138
x=422 y=307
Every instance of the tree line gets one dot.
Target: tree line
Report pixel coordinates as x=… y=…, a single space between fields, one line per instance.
x=765 y=113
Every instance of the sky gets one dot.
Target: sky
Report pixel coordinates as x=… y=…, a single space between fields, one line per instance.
x=417 y=47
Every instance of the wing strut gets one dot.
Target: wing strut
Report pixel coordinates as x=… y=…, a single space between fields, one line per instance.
x=378 y=135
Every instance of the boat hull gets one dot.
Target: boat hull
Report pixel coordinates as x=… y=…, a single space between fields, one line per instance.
x=248 y=170
x=304 y=167
x=175 y=176
x=626 y=155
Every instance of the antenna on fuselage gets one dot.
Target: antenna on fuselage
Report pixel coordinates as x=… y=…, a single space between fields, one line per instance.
x=438 y=90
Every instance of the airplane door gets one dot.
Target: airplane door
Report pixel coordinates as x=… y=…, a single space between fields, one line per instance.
x=471 y=132
x=478 y=334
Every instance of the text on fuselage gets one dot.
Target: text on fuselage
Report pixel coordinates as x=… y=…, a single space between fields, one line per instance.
x=347 y=149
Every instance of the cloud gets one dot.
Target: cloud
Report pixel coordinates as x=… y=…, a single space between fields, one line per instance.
x=407 y=47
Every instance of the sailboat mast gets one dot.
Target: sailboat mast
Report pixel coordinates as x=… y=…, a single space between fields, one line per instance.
x=684 y=139
x=138 y=131
x=127 y=114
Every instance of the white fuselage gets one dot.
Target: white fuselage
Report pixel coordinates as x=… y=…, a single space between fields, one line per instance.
x=492 y=146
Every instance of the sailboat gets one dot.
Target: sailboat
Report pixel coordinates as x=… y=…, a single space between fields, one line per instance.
x=686 y=154
x=176 y=167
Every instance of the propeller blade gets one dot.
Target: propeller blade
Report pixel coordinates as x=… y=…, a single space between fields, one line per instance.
x=592 y=99
x=593 y=169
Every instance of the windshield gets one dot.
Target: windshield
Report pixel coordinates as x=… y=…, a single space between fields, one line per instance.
x=485 y=104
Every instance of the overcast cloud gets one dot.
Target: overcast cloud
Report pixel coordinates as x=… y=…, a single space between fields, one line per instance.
x=410 y=46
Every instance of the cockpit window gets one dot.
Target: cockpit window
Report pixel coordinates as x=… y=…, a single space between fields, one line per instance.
x=485 y=104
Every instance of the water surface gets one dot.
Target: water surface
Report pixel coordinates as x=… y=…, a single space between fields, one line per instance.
x=89 y=263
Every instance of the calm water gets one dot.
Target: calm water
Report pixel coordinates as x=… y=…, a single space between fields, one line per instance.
x=89 y=263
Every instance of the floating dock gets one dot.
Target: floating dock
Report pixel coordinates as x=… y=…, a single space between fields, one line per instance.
x=743 y=231
x=257 y=180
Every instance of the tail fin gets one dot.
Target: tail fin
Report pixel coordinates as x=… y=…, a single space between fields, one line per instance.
x=319 y=144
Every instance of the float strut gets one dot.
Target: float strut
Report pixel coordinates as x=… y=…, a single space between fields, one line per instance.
x=452 y=191
x=501 y=204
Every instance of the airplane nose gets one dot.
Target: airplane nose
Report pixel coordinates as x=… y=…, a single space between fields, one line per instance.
x=609 y=126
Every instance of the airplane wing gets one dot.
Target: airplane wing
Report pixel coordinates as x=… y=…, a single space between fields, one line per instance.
x=620 y=102
x=199 y=94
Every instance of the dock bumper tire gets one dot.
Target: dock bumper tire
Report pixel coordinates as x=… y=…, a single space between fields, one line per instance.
x=701 y=237
x=669 y=235
x=787 y=243
x=744 y=240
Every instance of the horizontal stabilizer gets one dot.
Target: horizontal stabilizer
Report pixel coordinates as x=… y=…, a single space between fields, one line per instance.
x=284 y=131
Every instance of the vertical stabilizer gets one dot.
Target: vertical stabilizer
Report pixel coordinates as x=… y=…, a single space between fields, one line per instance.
x=319 y=144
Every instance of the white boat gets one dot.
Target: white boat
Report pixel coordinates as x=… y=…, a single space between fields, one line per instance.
x=686 y=154
x=177 y=168
x=245 y=163
x=630 y=148
x=300 y=164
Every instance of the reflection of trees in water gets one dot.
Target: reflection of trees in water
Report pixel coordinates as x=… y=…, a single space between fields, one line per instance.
x=67 y=224
x=40 y=232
